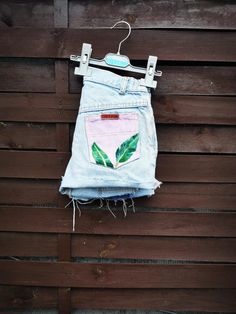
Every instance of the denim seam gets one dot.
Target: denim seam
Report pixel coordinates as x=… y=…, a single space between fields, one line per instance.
x=121 y=105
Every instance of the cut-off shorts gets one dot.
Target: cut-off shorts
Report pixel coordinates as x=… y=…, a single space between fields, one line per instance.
x=115 y=147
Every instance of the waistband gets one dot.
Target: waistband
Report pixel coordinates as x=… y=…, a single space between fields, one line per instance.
x=106 y=77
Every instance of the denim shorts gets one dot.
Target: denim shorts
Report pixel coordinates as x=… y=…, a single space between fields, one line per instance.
x=114 y=147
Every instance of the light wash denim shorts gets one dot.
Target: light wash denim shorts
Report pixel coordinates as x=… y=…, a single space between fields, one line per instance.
x=115 y=147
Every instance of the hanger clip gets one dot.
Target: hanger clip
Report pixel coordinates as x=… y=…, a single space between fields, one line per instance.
x=116 y=61
x=150 y=72
x=83 y=59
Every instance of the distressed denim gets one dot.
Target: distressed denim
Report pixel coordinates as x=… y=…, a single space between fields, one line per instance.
x=115 y=147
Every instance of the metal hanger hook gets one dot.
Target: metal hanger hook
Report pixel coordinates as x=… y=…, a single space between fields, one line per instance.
x=118 y=51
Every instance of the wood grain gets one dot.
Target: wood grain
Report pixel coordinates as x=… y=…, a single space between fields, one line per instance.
x=97 y=221
x=119 y=247
x=98 y=275
x=170 y=167
x=168 y=109
x=22 y=297
x=62 y=42
x=184 y=80
x=171 y=195
x=154 y=14
x=171 y=138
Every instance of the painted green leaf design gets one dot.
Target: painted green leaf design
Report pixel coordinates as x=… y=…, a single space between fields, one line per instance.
x=100 y=156
x=127 y=148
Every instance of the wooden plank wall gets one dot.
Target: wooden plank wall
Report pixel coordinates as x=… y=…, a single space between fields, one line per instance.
x=177 y=252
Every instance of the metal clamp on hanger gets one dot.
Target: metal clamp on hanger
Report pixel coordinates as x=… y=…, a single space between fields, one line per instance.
x=117 y=61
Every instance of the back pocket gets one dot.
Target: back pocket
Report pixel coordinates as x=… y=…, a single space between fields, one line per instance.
x=113 y=138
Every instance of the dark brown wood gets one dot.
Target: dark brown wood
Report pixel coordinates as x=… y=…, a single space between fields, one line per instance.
x=171 y=195
x=180 y=243
x=26 y=13
x=154 y=14
x=21 y=75
x=196 y=139
x=192 y=195
x=132 y=247
x=39 y=192
x=164 y=248
x=27 y=136
x=184 y=80
x=15 y=297
x=173 y=109
x=156 y=299
x=194 y=109
x=148 y=14
x=61 y=43
x=170 y=167
x=95 y=221
x=171 y=138
x=49 y=165
x=61 y=76
x=28 y=244
x=98 y=275
x=208 y=300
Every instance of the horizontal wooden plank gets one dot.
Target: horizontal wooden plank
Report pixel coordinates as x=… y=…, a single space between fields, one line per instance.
x=196 y=139
x=97 y=221
x=98 y=275
x=22 y=75
x=172 y=299
x=170 y=167
x=154 y=14
x=129 y=247
x=183 y=80
x=39 y=192
x=209 y=300
x=47 y=165
x=192 y=139
x=22 y=136
x=164 y=248
x=26 y=14
x=170 y=109
x=61 y=43
x=27 y=136
x=192 y=195
x=171 y=195
x=194 y=109
x=28 y=244
x=198 y=14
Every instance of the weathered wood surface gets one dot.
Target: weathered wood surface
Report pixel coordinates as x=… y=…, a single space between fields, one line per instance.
x=22 y=297
x=169 y=109
x=42 y=192
x=96 y=221
x=171 y=45
x=170 y=138
x=128 y=247
x=148 y=14
x=171 y=167
x=125 y=275
x=183 y=237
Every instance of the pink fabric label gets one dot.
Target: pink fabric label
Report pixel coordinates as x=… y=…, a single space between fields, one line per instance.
x=113 y=142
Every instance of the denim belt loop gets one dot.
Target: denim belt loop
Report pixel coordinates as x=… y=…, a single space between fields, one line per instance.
x=123 y=85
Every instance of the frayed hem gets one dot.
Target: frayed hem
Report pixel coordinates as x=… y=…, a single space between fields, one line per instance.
x=75 y=202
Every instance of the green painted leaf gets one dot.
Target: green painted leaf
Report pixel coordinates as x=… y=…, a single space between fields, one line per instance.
x=100 y=156
x=127 y=148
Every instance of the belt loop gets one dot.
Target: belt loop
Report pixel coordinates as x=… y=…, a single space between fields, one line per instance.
x=123 y=85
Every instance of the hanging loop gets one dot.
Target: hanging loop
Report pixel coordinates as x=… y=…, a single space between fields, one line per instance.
x=118 y=51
